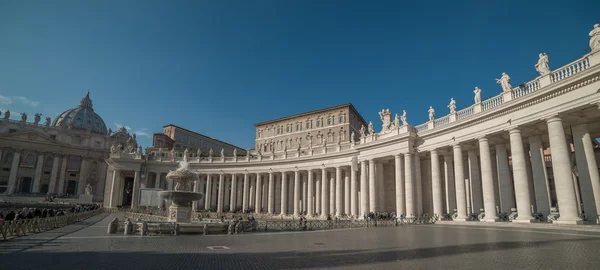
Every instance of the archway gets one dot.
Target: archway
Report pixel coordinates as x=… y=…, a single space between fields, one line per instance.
x=25 y=186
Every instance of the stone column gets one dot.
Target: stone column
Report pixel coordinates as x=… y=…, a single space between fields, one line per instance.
x=53 y=174
x=449 y=185
x=475 y=180
x=226 y=193
x=38 y=173
x=14 y=169
x=234 y=188
x=310 y=204
x=196 y=189
x=418 y=184
x=258 y=197
x=296 y=193
x=353 y=192
x=379 y=186
x=506 y=190
x=284 y=192
x=324 y=191
x=271 y=198
x=221 y=192
x=459 y=184
x=332 y=209
x=540 y=179
x=563 y=179
x=436 y=184
x=83 y=174
x=347 y=192
x=409 y=190
x=364 y=189
x=372 y=186
x=113 y=188
x=63 y=175
x=136 y=190
x=399 y=175
x=520 y=177
x=589 y=180
x=487 y=181
x=317 y=193
x=208 y=195
x=338 y=192
x=245 y=192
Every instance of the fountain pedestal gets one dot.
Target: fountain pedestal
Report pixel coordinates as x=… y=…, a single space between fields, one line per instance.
x=180 y=214
x=180 y=210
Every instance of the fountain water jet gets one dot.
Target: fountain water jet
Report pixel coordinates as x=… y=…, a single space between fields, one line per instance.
x=182 y=195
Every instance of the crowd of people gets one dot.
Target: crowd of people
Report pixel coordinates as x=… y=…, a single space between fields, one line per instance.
x=30 y=213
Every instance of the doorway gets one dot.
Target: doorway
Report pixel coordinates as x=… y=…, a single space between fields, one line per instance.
x=127 y=191
x=25 y=186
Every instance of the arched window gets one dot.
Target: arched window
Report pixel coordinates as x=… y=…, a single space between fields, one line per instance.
x=49 y=162
x=319 y=122
x=74 y=163
x=30 y=159
x=330 y=120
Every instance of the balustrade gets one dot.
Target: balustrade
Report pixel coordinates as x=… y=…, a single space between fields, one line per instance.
x=441 y=121
x=570 y=69
x=465 y=113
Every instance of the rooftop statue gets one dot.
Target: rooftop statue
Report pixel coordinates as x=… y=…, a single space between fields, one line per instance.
x=23 y=117
x=235 y=152
x=397 y=121
x=210 y=152
x=199 y=152
x=431 y=113
x=504 y=81
x=403 y=118
x=452 y=106
x=477 y=92
x=362 y=131
x=352 y=137
x=7 y=114
x=36 y=118
x=222 y=152
x=595 y=38
x=386 y=119
x=542 y=65
x=371 y=130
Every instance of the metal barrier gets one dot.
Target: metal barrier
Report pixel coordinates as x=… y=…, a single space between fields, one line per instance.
x=22 y=227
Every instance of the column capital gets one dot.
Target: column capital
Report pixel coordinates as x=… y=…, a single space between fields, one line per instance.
x=482 y=139
x=433 y=151
x=456 y=146
x=514 y=129
x=552 y=118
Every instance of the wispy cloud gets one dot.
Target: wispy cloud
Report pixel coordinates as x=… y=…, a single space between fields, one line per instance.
x=138 y=132
x=18 y=99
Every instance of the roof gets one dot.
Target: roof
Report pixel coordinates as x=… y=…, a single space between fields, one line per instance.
x=313 y=112
x=202 y=135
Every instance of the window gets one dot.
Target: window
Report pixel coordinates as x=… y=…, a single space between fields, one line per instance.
x=342 y=118
x=308 y=123
x=319 y=122
x=8 y=159
x=49 y=162
x=329 y=121
x=289 y=128
x=30 y=159
x=74 y=164
x=298 y=126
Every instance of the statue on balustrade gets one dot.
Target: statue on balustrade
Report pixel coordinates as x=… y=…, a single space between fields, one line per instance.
x=431 y=112
x=386 y=119
x=595 y=38
x=223 y=152
x=210 y=152
x=397 y=121
x=185 y=153
x=139 y=152
x=36 y=118
x=23 y=117
x=248 y=153
x=173 y=152
x=362 y=131
x=7 y=114
x=352 y=137
x=234 y=152
x=88 y=189
x=452 y=106
x=199 y=152
x=477 y=95
x=403 y=118
x=504 y=81
x=371 y=130
x=542 y=65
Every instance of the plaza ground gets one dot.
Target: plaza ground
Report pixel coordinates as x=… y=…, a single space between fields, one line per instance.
x=441 y=246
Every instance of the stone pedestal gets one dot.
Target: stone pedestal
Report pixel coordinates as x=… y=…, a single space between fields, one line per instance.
x=180 y=214
x=85 y=198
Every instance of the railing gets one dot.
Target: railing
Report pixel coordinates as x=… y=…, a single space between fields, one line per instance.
x=421 y=127
x=22 y=227
x=526 y=89
x=465 y=113
x=441 y=121
x=547 y=158
x=492 y=102
x=570 y=69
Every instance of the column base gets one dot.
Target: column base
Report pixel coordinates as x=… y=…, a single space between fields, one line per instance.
x=527 y=220
x=490 y=220
x=568 y=222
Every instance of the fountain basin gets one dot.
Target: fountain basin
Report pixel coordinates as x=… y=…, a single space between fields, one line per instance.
x=182 y=198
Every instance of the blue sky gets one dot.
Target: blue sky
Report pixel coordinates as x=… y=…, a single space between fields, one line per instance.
x=218 y=67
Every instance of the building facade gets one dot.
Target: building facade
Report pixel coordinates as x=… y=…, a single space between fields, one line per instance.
x=485 y=160
x=181 y=138
x=330 y=126
x=61 y=157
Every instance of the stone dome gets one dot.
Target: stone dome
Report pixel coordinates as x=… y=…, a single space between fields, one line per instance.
x=82 y=118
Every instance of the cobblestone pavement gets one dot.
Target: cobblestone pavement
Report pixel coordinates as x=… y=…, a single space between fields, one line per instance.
x=86 y=246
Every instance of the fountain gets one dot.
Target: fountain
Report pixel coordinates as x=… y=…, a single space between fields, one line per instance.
x=182 y=196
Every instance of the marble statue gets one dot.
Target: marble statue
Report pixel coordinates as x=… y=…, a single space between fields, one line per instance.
x=403 y=118
x=298 y=146
x=248 y=153
x=113 y=149
x=595 y=38
x=397 y=121
x=185 y=153
x=223 y=152
x=431 y=113
x=504 y=81
x=542 y=65
x=362 y=131
x=235 y=152
x=477 y=92
x=386 y=119
x=48 y=121
x=199 y=152
x=36 y=118
x=88 y=189
x=173 y=152
x=352 y=137
x=452 y=106
x=7 y=114
x=23 y=117
x=210 y=152
x=371 y=130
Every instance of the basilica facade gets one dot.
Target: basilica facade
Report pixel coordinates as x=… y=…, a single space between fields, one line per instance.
x=528 y=151
x=60 y=156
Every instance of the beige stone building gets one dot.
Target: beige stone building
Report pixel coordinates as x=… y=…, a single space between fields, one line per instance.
x=181 y=138
x=333 y=124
